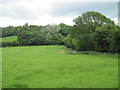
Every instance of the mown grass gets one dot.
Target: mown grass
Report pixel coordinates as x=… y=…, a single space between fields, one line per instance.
x=9 y=39
x=0 y=68
x=54 y=67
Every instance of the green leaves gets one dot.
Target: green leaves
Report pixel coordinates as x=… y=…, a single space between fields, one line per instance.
x=106 y=38
x=31 y=38
x=93 y=31
x=91 y=20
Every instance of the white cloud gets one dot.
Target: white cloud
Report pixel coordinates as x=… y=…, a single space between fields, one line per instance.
x=68 y=19
x=4 y=21
x=43 y=20
x=32 y=12
x=115 y=20
x=24 y=9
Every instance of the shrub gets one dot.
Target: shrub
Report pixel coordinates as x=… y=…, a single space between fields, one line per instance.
x=115 y=41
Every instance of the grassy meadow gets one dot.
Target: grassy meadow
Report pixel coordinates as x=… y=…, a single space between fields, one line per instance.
x=54 y=66
x=0 y=68
x=9 y=39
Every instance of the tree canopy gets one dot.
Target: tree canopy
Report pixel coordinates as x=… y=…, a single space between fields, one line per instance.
x=91 y=20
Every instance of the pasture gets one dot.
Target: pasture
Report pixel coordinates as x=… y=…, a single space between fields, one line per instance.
x=53 y=66
x=9 y=39
x=0 y=68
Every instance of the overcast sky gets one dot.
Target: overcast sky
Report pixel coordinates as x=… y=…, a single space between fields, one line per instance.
x=43 y=12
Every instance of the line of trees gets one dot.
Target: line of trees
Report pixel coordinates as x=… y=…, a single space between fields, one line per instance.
x=36 y=35
x=92 y=31
x=48 y=35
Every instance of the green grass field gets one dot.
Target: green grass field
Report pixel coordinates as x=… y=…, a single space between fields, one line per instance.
x=9 y=39
x=0 y=68
x=53 y=67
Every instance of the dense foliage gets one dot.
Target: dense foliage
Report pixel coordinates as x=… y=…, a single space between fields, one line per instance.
x=106 y=38
x=34 y=35
x=92 y=31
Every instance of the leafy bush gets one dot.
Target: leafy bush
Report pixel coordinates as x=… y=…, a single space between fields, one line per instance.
x=83 y=42
x=102 y=40
x=106 y=38
x=68 y=41
x=115 y=41
x=31 y=38
x=39 y=38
